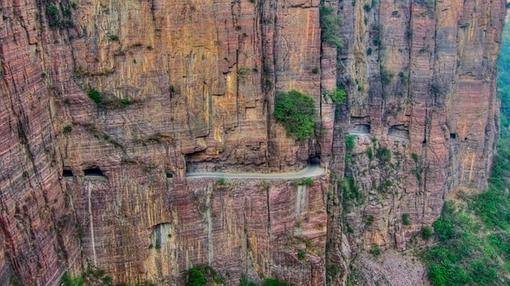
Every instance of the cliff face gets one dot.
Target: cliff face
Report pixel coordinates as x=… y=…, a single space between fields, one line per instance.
x=190 y=85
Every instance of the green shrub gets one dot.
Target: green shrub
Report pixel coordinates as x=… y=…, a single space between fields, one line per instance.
x=301 y=254
x=196 y=277
x=296 y=112
x=201 y=275
x=447 y=274
x=67 y=129
x=126 y=101
x=274 y=282
x=370 y=153
x=108 y=102
x=369 y=220
x=61 y=18
x=350 y=192
x=331 y=272
x=66 y=10
x=113 y=37
x=245 y=281
x=376 y=40
x=91 y=276
x=221 y=181
x=404 y=78
x=95 y=95
x=426 y=232
x=337 y=95
x=445 y=226
x=418 y=168
x=484 y=272
x=306 y=182
x=386 y=76
x=406 y=219
x=330 y=26
x=69 y=280
x=384 y=155
x=385 y=185
x=375 y=250
x=437 y=89
x=53 y=14
x=350 y=142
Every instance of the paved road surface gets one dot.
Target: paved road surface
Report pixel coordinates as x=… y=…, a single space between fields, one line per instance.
x=310 y=171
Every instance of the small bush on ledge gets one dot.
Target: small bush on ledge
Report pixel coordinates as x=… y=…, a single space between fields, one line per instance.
x=59 y=15
x=301 y=254
x=201 y=275
x=350 y=142
x=221 y=182
x=69 y=280
x=95 y=95
x=296 y=112
x=274 y=282
x=53 y=14
x=426 y=232
x=305 y=182
x=375 y=250
x=91 y=276
x=406 y=219
x=245 y=281
x=110 y=102
x=338 y=95
x=67 y=129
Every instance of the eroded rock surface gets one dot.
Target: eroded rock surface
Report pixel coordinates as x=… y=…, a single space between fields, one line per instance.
x=190 y=86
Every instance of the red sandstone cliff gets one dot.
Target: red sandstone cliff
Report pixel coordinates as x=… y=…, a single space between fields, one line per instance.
x=200 y=79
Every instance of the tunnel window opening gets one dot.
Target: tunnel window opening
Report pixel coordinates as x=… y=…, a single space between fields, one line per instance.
x=67 y=173
x=399 y=132
x=93 y=171
x=314 y=160
x=360 y=129
x=169 y=174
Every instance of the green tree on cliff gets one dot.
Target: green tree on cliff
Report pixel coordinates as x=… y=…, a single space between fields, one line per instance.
x=330 y=26
x=296 y=112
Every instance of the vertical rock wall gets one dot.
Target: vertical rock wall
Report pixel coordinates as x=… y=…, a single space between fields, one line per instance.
x=255 y=228
x=38 y=237
x=190 y=85
x=422 y=113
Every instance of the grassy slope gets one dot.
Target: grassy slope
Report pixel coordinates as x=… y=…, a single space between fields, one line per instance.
x=473 y=237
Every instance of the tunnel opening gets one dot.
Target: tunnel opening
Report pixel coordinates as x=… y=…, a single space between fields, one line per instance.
x=169 y=174
x=93 y=172
x=453 y=136
x=399 y=132
x=314 y=160
x=360 y=129
x=67 y=173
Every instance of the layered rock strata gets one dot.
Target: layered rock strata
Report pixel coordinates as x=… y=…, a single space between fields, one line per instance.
x=190 y=85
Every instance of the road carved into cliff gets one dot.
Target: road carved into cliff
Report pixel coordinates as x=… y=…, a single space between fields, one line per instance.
x=309 y=171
